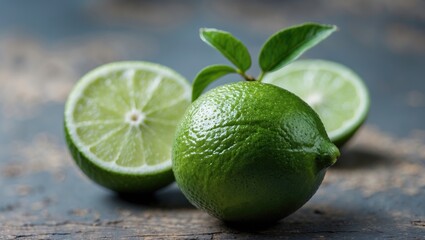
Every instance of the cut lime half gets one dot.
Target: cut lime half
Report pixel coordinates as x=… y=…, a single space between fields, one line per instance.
x=120 y=121
x=335 y=92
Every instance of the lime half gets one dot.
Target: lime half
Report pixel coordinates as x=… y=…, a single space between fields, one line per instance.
x=335 y=92
x=120 y=121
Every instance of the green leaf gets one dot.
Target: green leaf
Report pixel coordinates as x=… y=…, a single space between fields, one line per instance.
x=288 y=44
x=231 y=47
x=208 y=75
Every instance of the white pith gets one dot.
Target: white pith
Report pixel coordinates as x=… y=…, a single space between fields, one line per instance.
x=314 y=99
x=134 y=118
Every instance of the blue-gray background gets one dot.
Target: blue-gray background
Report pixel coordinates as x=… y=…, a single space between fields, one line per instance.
x=46 y=46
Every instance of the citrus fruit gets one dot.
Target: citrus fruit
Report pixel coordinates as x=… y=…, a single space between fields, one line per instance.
x=250 y=152
x=120 y=121
x=335 y=92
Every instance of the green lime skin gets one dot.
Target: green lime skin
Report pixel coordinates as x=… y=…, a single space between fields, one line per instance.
x=126 y=183
x=250 y=152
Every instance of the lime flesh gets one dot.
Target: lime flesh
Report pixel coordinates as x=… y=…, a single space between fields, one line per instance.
x=120 y=121
x=335 y=92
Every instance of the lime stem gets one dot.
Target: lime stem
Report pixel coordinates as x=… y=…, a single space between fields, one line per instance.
x=246 y=76
x=260 y=77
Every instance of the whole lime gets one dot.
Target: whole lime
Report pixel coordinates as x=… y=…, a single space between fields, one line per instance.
x=250 y=152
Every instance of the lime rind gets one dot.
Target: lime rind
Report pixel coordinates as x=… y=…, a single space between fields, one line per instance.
x=119 y=181
x=77 y=94
x=348 y=126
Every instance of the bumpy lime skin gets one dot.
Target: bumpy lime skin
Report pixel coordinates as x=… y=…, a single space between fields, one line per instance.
x=250 y=152
x=127 y=183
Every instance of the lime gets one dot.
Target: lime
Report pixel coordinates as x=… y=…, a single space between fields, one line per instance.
x=335 y=92
x=250 y=152
x=120 y=121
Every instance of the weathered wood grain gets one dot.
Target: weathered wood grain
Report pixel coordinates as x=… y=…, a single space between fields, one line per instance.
x=375 y=191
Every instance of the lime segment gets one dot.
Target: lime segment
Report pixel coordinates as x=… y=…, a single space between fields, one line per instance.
x=335 y=92
x=120 y=121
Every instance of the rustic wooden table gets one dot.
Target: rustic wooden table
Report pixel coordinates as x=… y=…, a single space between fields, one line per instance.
x=375 y=191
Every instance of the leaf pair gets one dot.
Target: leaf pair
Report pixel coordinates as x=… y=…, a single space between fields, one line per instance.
x=279 y=50
x=232 y=48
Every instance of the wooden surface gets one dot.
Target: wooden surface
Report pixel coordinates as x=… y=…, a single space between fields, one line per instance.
x=375 y=191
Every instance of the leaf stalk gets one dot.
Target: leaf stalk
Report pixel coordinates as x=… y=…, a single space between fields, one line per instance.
x=246 y=76
x=260 y=77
